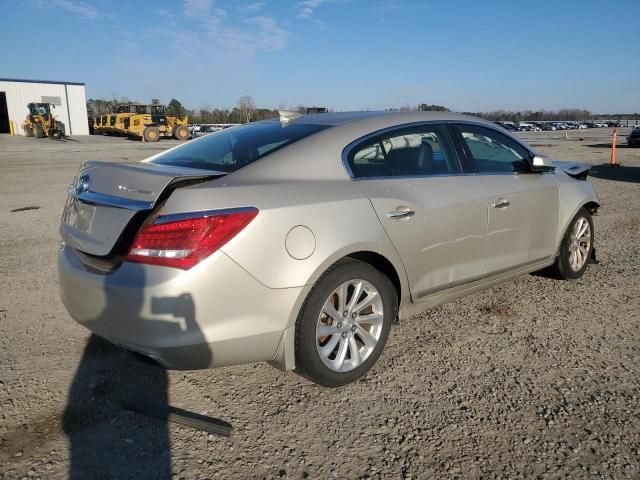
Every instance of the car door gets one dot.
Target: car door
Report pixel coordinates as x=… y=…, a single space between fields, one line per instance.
x=432 y=210
x=522 y=205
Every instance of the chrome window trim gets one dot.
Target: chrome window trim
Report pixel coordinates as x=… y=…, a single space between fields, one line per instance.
x=355 y=143
x=463 y=174
x=409 y=177
x=176 y=217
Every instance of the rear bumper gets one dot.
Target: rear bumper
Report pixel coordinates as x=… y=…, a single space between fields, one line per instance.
x=213 y=315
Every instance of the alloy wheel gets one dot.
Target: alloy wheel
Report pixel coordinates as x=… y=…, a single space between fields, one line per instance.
x=349 y=325
x=579 y=244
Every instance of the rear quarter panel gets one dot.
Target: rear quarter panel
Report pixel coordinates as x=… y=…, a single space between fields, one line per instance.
x=341 y=218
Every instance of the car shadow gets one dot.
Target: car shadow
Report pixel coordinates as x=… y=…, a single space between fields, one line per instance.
x=608 y=145
x=107 y=436
x=621 y=173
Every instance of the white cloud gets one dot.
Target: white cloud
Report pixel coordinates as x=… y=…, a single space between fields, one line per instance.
x=243 y=40
x=307 y=7
x=198 y=8
x=252 y=7
x=385 y=6
x=79 y=9
x=269 y=36
x=163 y=12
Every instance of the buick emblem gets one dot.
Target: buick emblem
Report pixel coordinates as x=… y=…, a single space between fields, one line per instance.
x=82 y=185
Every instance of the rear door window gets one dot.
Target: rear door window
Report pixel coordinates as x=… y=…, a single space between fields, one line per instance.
x=417 y=151
x=420 y=151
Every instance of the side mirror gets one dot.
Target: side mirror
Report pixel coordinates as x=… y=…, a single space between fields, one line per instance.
x=541 y=164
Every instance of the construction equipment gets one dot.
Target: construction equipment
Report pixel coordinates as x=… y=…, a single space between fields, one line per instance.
x=40 y=122
x=111 y=124
x=147 y=122
x=150 y=122
x=123 y=112
x=97 y=125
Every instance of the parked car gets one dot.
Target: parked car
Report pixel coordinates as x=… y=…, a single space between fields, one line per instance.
x=508 y=126
x=299 y=241
x=633 y=139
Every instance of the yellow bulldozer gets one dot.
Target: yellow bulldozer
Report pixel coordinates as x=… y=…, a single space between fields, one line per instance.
x=40 y=122
x=150 y=122
x=147 y=122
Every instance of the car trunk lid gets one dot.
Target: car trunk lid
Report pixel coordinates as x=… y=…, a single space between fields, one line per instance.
x=105 y=197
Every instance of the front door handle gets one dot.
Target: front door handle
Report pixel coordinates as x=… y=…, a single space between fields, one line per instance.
x=399 y=214
x=501 y=203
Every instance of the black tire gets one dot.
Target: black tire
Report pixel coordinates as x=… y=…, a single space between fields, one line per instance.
x=28 y=131
x=62 y=130
x=151 y=134
x=308 y=361
x=180 y=132
x=562 y=266
x=38 y=131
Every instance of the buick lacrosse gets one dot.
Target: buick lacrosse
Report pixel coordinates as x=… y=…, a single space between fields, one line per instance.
x=298 y=241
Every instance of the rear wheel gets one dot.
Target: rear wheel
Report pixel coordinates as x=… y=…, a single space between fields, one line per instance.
x=576 y=248
x=28 y=131
x=38 y=131
x=180 y=132
x=344 y=323
x=151 y=134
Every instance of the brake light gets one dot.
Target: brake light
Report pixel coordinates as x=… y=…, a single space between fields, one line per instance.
x=186 y=242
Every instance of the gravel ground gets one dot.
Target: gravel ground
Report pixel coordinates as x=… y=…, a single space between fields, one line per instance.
x=536 y=378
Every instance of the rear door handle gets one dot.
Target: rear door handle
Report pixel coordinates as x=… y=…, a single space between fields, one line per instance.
x=399 y=214
x=501 y=203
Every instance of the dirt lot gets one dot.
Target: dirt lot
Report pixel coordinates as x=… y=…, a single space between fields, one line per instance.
x=535 y=378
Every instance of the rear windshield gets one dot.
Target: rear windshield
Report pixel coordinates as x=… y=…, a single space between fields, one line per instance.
x=231 y=149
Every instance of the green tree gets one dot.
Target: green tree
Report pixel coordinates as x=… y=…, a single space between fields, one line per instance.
x=423 y=107
x=176 y=108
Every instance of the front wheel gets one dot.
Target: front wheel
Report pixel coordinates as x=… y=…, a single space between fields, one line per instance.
x=38 y=131
x=344 y=323
x=577 y=247
x=180 y=132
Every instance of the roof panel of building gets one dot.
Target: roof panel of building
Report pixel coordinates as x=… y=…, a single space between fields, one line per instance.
x=26 y=80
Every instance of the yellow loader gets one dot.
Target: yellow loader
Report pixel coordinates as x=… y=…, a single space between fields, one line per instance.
x=40 y=122
x=150 y=122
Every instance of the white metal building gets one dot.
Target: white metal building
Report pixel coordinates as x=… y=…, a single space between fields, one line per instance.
x=67 y=97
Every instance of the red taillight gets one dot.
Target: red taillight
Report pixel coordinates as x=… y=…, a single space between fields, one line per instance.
x=185 y=243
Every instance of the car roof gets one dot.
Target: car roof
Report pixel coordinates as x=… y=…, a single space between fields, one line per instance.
x=341 y=118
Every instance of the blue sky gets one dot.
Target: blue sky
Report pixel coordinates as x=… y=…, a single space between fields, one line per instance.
x=344 y=54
